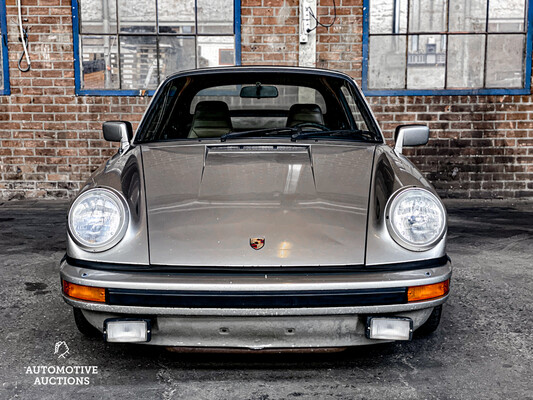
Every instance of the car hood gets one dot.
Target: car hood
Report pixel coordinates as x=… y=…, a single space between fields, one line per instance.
x=206 y=203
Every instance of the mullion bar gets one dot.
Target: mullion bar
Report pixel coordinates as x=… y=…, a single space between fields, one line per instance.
x=157 y=41
x=486 y=45
x=526 y=8
x=119 y=45
x=196 y=33
x=168 y=34
x=206 y=35
x=409 y=2
x=524 y=59
x=80 y=21
x=447 y=46
x=442 y=33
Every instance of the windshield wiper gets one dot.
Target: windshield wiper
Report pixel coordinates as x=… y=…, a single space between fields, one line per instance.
x=260 y=132
x=297 y=133
x=355 y=134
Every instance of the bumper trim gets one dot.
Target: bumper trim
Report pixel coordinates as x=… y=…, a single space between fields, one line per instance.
x=256 y=299
x=315 y=270
x=256 y=283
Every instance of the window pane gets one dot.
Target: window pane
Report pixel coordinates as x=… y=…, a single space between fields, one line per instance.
x=505 y=61
x=136 y=16
x=215 y=51
x=426 y=62
x=176 y=54
x=98 y=16
x=386 y=62
x=119 y=61
x=138 y=62
x=506 y=15
x=468 y=15
x=99 y=62
x=215 y=16
x=176 y=16
x=465 y=61
x=427 y=15
x=388 y=16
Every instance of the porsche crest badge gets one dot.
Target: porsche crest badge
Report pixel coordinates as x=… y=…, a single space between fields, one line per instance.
x=257 y=243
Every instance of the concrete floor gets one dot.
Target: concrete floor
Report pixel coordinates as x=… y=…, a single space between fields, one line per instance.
x=482 y=350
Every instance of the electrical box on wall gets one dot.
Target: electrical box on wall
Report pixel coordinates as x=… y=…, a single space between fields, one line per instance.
x=305 y=20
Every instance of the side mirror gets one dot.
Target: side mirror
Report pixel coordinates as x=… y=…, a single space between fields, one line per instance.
x=410 y=135
x=118 y=131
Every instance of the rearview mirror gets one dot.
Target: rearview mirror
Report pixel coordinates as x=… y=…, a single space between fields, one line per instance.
x=259 y=92
x=118 y=131
x=410 y=135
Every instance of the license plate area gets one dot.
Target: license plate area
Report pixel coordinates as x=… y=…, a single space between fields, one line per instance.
x=259 y=332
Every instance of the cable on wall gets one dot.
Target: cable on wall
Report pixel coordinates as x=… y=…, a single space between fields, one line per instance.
x=318 y=23
x=24 y=40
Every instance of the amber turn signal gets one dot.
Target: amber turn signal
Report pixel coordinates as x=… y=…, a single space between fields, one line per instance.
x=80 y=292
x=428 y=292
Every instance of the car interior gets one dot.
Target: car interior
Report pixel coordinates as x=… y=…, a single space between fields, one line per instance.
x=213 y=118
x=205 y=110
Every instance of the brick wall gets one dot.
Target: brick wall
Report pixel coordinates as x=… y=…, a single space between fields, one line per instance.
x=480 y=146
x=50 y=139
x=340 y=46
x=269 y=32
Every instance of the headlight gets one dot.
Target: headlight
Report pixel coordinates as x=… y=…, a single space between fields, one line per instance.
x=98 y=219
x=416 y=219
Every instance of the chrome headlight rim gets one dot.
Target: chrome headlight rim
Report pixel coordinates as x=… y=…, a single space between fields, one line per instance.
x=392 y=202
x=121 y=231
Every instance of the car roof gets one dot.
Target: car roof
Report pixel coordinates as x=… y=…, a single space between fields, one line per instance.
x=259 y=69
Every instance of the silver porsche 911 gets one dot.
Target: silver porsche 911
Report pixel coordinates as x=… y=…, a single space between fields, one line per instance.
x=257 y=208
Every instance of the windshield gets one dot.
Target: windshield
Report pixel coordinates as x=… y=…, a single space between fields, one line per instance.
x=230 y=105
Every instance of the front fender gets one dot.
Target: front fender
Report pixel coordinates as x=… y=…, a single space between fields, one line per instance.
x=391 y=173
x=122 y=173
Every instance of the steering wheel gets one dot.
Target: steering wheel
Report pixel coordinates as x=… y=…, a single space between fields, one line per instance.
x=311 y=125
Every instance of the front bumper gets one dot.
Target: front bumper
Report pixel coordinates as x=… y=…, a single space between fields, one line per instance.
x=305 y=324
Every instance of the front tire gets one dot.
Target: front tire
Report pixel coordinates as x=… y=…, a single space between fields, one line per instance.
x=84 y=326
x=432 y=323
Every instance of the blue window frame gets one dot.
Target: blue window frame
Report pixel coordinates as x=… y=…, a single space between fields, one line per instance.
x=127 y=47
x=447 y=47
x=4 y=60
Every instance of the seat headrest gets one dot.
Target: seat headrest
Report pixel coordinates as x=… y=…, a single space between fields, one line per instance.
x=301 y=113
x=211 y=105
x=211 y=119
